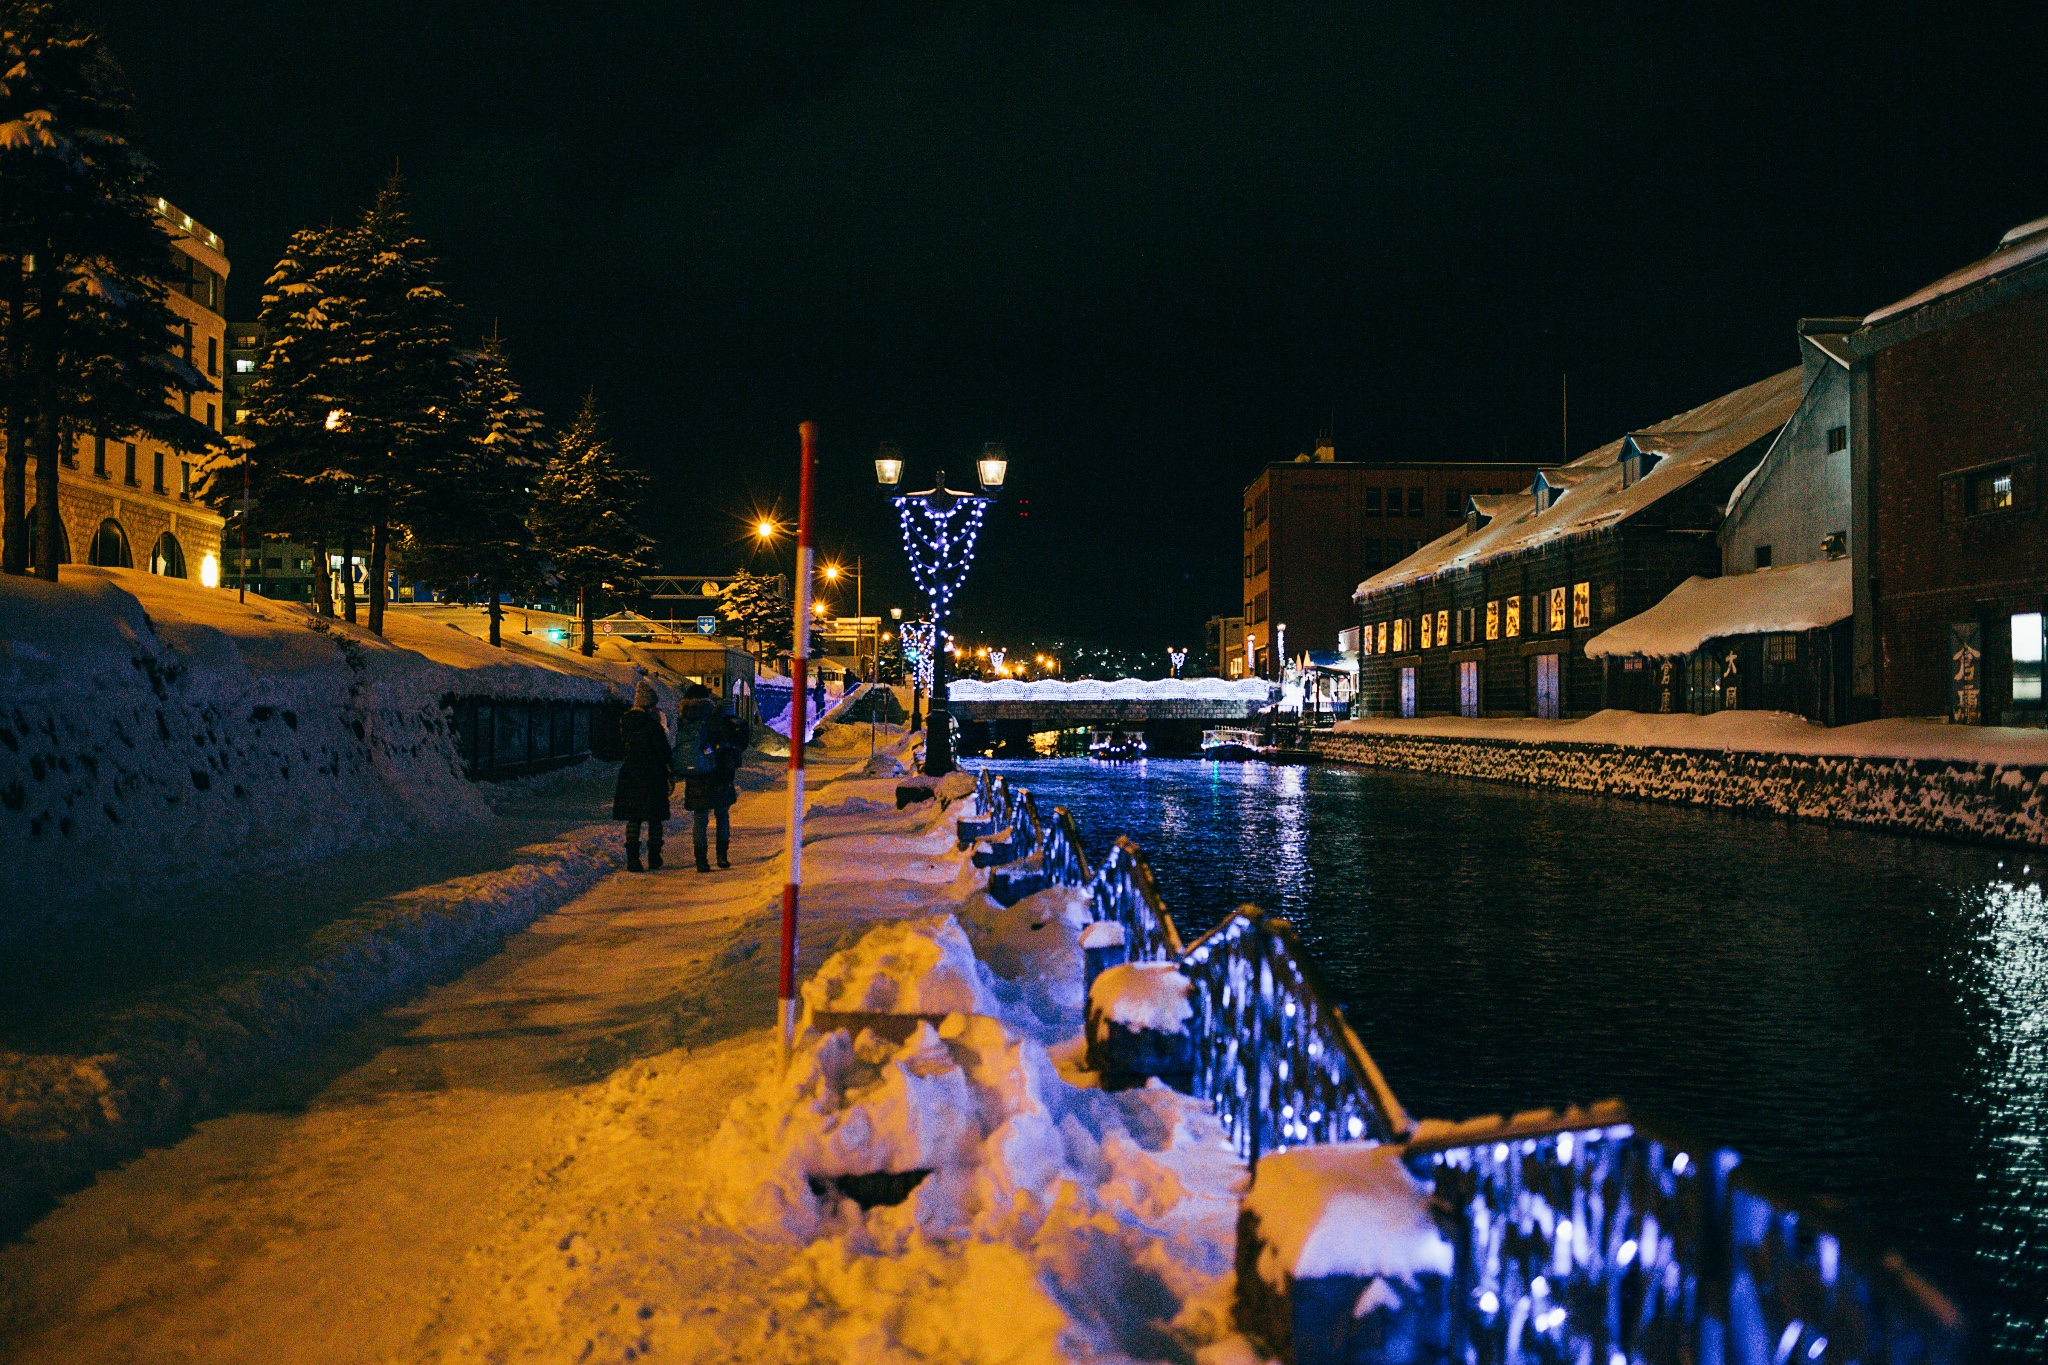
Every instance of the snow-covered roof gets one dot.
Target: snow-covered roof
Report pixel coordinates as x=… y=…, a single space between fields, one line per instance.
x=1692 y=443
x=1796 y=597
x=1121 y=689
x=2027 y=242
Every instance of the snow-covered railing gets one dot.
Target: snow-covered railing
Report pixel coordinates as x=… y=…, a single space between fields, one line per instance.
x=1586 y=1236
x=1277 y=1062
x=1580 y=1236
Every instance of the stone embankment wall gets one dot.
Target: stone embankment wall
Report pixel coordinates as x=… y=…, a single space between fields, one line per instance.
x=1955 y=798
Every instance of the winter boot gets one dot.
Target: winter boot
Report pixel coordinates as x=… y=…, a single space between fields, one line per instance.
x=633 y=855
x=703 y=864
x=721 y=857
x=653 y=856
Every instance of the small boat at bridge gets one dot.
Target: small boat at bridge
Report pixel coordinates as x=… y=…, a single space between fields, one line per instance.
x=1233 y=745
x=1116 y=745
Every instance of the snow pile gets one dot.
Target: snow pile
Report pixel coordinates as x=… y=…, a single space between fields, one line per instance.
x=1070 y=1208
x=1141 y=996
x=1797 y=597
x=1103 y=933
x=1033 y=952
x=1343 y=1209
x=911 y=966
x=152 y=730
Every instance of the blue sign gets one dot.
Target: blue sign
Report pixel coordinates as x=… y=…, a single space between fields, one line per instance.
x=707 y=625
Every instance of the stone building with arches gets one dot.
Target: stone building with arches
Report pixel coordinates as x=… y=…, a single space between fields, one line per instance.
x=135 y=503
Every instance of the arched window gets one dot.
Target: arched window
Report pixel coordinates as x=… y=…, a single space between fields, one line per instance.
x=110 y=547
x=167 y=558
x=35 y=549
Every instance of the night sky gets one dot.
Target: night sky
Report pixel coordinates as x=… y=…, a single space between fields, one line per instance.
x=1147 y=246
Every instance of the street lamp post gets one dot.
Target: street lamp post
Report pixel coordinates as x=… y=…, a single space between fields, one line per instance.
x=940 y=526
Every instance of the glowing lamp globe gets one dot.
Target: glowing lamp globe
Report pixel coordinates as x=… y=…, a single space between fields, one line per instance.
x=764 y=529
x=888 y=465
x=209 y=572
x=993 y=466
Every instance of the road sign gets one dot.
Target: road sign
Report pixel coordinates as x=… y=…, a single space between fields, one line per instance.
x=707 y=625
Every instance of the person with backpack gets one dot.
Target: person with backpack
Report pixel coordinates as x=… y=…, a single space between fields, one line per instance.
x=708 y=761
x=644 y=782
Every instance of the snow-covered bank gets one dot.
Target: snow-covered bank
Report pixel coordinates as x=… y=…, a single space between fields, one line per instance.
x=161 y=1066
x=1909 y=776
x=152 y=731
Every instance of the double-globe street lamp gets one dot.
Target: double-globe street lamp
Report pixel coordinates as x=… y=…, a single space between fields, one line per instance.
x=940 y=527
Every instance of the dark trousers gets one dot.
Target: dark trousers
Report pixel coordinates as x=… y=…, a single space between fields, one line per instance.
x=724 y=814
x=653 y=834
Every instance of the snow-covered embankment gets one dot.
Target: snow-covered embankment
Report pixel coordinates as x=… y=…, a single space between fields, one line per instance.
x=153 y=732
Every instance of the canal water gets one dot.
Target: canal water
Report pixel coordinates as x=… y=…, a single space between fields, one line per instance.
x=1864 y=1015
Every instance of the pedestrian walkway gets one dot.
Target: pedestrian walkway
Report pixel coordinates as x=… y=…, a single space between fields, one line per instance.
x=490 y=1166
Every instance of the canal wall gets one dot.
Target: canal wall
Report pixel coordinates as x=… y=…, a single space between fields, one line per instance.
x=1971 y=794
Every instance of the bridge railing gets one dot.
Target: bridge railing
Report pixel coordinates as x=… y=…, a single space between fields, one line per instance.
x=1577 y=1236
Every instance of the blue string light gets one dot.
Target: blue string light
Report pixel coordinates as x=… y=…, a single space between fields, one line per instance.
x=939 y=537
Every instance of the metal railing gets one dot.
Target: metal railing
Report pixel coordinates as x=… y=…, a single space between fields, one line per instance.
x=1580 y=1236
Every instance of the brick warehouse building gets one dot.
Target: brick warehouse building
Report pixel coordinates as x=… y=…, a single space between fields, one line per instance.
x=1314 y=526
x=1493 y=618
x=134 y=503
x=1954 y=564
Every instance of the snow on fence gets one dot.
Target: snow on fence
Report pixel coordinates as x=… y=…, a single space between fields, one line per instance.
x=1583 y=1236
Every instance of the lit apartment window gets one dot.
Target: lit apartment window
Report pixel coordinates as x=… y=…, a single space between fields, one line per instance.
x=1557 y=608
x=244 y=365
x=1582 y=604
x=1493 y=619
x=1991 y=491
x=1513 y=627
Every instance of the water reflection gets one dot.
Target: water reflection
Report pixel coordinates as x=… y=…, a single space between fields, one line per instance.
x=1866 y=1014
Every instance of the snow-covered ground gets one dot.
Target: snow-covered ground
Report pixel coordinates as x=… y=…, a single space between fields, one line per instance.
x=583 y=1149
x=153 y=731
x=1753 y=731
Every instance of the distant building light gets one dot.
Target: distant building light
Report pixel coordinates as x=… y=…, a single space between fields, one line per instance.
x=209 y=572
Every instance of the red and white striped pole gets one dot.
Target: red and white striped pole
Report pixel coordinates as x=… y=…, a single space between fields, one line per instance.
x=799 y=665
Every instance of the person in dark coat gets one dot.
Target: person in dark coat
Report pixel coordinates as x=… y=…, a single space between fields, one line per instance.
x=717 y=743
x=645 y=778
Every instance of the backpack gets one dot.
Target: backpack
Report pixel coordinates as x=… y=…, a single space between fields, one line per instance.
x=696 y=745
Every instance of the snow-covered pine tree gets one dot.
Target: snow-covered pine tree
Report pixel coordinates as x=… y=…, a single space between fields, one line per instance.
x=754 y=607
x=585 y=512
x=297 y=470
x=395 y=379
x=467 y=528
x=88 y=343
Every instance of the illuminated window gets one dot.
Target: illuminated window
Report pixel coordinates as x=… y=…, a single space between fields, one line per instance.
x=1582 y=604
x=244 y=365
x=1400 y=635
x=1514 y=615
x=1991 y=491
x=2026 y=659
x=1557 y=608
x=1427 y=636
x=1383 y=637
x=1493 y=619
x=1443 y=627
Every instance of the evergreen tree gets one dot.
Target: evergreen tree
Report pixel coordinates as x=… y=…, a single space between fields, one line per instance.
x=295 y=466
x=395 y=378
x=354 y=404
x=88 y=341
x=467 y=529
x=584 y=516
x=754 y=608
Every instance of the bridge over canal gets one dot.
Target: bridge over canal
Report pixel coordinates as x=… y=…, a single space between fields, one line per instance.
x=1172 y=712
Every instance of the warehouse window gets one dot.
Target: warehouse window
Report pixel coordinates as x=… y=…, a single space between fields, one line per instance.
x=1493 y=619
x=1557 y=608
x=1514 y=618
x=1582 y=604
